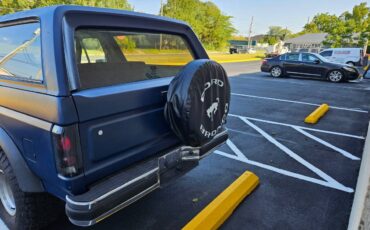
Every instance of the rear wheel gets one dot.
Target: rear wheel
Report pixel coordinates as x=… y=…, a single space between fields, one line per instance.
x=20 y=210
x=276 y=71
x=335 y=76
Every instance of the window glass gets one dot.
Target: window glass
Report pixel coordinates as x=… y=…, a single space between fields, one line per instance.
x=309 y=58
x=314 y=50
x=342 y=52
x=92 y=51
x=303 y=50
x=282 y=57
x=292 y=57
x=327 y=53
x=20 y=52
x=109 y=57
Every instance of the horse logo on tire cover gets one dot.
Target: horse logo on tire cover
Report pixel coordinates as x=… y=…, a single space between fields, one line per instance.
x=213 y=109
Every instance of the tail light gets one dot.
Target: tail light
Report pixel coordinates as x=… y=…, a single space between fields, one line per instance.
x=68 y=155
x=264 y=62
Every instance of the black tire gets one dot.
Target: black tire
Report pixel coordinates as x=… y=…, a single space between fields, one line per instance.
x=276 y=71
x=335 y=76
x=32 y=210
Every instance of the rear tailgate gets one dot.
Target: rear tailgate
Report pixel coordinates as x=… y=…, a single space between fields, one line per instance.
x=122 y=124
x=124 y=77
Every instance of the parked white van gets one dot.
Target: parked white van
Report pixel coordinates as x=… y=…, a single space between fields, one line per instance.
x=351 y=56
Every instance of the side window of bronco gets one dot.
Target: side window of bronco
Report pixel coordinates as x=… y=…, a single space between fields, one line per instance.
x=110 y=57
x=20 y=52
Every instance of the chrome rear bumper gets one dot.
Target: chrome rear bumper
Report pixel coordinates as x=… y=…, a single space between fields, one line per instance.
x=116 y=192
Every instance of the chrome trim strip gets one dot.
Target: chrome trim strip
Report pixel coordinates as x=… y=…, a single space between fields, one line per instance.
x=57 y=130
x=128 y=202
x=26 y=118
x=117 y=208
x=313 y=74
x=90 y=203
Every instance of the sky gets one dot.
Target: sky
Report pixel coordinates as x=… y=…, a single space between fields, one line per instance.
x=292 y=14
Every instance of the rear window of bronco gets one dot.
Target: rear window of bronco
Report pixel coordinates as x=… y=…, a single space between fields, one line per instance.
x=110 y=57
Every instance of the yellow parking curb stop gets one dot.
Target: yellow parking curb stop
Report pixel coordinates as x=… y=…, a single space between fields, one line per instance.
x=213 y=216
x=314 y=117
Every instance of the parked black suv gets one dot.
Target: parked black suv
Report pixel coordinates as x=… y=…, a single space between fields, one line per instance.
x=98 y=108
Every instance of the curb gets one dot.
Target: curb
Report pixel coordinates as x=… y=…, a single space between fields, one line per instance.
x=361 y=187
x=215 y=213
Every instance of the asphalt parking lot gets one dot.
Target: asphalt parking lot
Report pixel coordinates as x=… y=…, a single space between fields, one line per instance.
x=307 y=173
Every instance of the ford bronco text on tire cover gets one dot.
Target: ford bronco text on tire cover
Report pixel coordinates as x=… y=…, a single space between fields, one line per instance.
x=98 y=108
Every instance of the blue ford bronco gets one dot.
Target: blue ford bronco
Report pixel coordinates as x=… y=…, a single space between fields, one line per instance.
x=99 y=107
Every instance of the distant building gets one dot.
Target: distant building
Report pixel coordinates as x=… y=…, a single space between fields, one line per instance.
x=257 y=37
x=243 y=43
x=307 y=43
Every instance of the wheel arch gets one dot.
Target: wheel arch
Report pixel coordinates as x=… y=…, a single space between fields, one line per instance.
x=27 y=180
x=276 y=65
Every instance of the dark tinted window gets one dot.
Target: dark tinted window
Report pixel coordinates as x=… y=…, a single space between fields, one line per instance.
x=20 y=52
x=109 y=57
x=282 y=57
x=92 y=51
x=327 y=53
x=292 y=57
x=309 y=58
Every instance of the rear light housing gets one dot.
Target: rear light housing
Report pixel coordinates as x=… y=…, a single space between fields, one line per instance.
x=67 y=149
x=264 y=62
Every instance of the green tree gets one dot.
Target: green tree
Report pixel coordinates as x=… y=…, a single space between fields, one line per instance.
x=278 y=32
x=213 y=28
x=10 y=6
x=271 y=40
x=348 y=29
x=275 y=34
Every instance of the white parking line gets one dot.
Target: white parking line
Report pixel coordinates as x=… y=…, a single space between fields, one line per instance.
x=299 y=102
x=327 y=144
x=327 y=181
x=3 y=226
x=301 y=127
x=278 y=170
x=297 y=157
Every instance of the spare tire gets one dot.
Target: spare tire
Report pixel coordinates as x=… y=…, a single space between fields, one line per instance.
x=198 y=102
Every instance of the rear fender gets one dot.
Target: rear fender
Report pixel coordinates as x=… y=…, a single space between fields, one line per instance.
x=27 y=180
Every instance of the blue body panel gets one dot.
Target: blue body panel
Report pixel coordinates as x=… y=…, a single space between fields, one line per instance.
x=130 y=114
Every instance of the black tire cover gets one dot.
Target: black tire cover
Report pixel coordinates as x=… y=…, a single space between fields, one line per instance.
x=198 y=102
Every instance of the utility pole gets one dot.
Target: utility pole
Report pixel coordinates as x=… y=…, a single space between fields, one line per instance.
x=286 y=31
x=250 y=33
x=161 y=10
x=160 y=35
